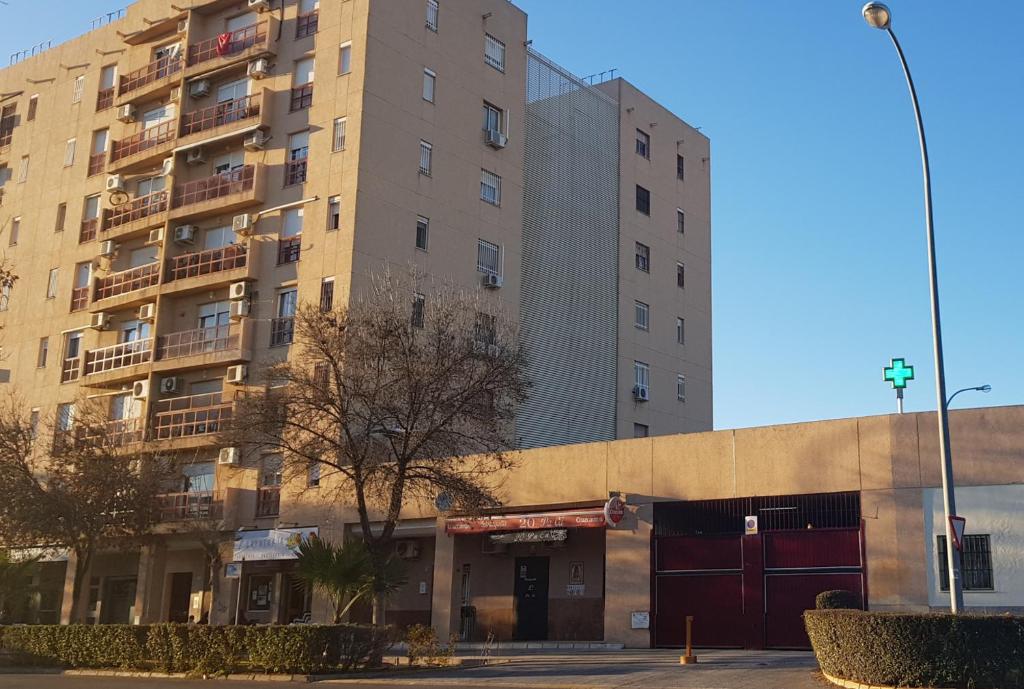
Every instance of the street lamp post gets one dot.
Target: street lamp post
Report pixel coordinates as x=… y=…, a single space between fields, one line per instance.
x=878 y=16
x=980 y=388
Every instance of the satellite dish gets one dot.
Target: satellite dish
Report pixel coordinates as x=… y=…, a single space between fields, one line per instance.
x=443 y=502
x=118 y=198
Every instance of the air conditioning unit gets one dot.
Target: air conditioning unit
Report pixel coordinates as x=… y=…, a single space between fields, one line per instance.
x=239 y=310
x=236 y=374
x=641 y=393
x=140 y=389
x=238 y=290
x=489 y=547
x=242 y=224
x=169 y=385
x=495 y=139
x=168 y=167
x=115 y=183
x=147 y=312
x=108 y=248
x=230 y=455
x=185 y=234
x=195 y=156
x=260 y=5
x=156 y=236
x=492 y=281
x=255 y=141
x=126 y=113
x=175 y=94
x=199 y=89
x=100 y=321
x=408 y=550
x=259 y=68
x=182 y=25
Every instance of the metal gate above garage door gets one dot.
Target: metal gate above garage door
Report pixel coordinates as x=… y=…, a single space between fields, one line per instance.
x=750 y=591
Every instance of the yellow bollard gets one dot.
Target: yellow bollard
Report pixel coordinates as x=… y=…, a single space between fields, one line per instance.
x=689 y=658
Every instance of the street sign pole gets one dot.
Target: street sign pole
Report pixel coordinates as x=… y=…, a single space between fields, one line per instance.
x=899 y=400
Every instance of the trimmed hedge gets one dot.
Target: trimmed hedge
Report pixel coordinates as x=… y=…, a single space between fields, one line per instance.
x=838 y=599
x=199 y=649
x=919 y=650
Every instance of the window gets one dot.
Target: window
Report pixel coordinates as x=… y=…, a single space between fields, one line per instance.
x=681 y=387
x=641 y=430
x=327 y=294
x=492 y=118
x=302 y=84
x=426 y=154
x=643 y=144
x=680 y=275
x=345 y=59
x=261 y=586
x=69 y=152
x=680 y=221
x=641 y=315
x=488 y=257
x=494 y=52
x=429 y=84
x=65 y=416
x=422 y=232
x=62 y=215
x=33 y=105
x=334 y=213
x=33 y=423
x=643 y=257
x=485 y=330
x=282 y=327
x=313 y=475
x=76 y=94
x=680 y=167
x=975 y=563
x=643 y=200
x=308 y=20
x=298 y=152
x=12 y=239
x=418 y=303
x=23 y=169
x=432 y=11
x=490 y=187
x=44 y=350
x=680 y=330
x=105 y=94
x=338 y=136
x=289 y=244
x=5 y=296
x=641 y=374
x=51 y=284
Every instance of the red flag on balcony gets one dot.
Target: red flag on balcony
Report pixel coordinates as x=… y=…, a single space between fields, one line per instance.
x=223 y=43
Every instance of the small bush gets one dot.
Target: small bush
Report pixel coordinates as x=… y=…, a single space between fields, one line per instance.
x=423 y=646
x=919 y=650
x=838 y=600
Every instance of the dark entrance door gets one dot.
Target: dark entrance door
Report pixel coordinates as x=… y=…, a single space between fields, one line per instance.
x=118 y=601
x=531 y=598
x=181 y=593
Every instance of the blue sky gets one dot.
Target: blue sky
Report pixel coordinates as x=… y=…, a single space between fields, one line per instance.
x=818 y=236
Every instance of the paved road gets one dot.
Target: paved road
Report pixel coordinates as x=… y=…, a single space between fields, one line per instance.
x=622 y=670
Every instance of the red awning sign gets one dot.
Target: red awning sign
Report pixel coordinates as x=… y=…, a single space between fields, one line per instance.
x=592 y=518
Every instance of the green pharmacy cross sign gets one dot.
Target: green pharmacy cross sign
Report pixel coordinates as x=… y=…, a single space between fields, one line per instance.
x=898 y=373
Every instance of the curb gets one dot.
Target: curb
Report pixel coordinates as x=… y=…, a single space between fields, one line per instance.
x=850 y=684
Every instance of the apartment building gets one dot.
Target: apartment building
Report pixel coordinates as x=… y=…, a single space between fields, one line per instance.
x=176 y=182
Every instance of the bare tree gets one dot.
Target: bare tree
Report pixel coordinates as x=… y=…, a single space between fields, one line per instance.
x=7 y=280
x=84 y=489
x=395 y=398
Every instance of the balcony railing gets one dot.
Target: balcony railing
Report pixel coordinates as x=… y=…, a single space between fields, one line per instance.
x=195 y=505
x=282 y=331
x=148 y=138
x=79 y=298
x=295 y=171
x=116 y=432
x=196 y=342
x=97 y=161
x=127 y=281
x=228 y=43
x=206 y=262
x=136 y=209
x=88 y=231
x=307 y=24
x=268 y=501
x=288 y=250
x=158 y=69
x=104 y=98
x=224 y=184
x=302 y=97
x=182 y=417
x=220 y=114
x=119 y=356
x=71 y=369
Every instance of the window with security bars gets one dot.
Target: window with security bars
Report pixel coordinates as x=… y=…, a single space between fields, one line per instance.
x=338 y=135
x=680 y=221
x=494 y=52
x=680 y=167
x=975 y=563
x=76 y=95
x=426 y=157
x=641 y=430
x=680 y=275
x=326 y=294
x=681 y=387
x=643 y=257
x=433 y=10
x=643 y=200
x=490 y=187
x=488 y=257
x=641 y=374
x=642 y=315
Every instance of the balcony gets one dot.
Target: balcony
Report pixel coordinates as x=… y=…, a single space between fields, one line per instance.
x=87 y=233
x=97 y=161
x=156 y=78
x=104 y=99
x=118 y=362
x=136 y=216
x=220 y=194
x=116 y=433
x=220 y=120
x=204 y=347
x=79 y=298
x=205 y=269
x=178 y=507
x=268 y=501
x=231 y=48
x=282 y=331
x=141 y=148
x=129 y=287
x=186 y=417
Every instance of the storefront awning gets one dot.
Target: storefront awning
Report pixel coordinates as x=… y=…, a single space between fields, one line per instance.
x=271 y=544
x=590 y=518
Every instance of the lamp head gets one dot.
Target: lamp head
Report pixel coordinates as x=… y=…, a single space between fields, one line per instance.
x=985 y=388
x=877 y=15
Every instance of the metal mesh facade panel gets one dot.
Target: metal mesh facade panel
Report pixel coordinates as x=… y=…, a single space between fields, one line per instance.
x=570 y=258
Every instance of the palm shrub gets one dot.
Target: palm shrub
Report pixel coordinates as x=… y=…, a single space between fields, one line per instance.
x=345 y=572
